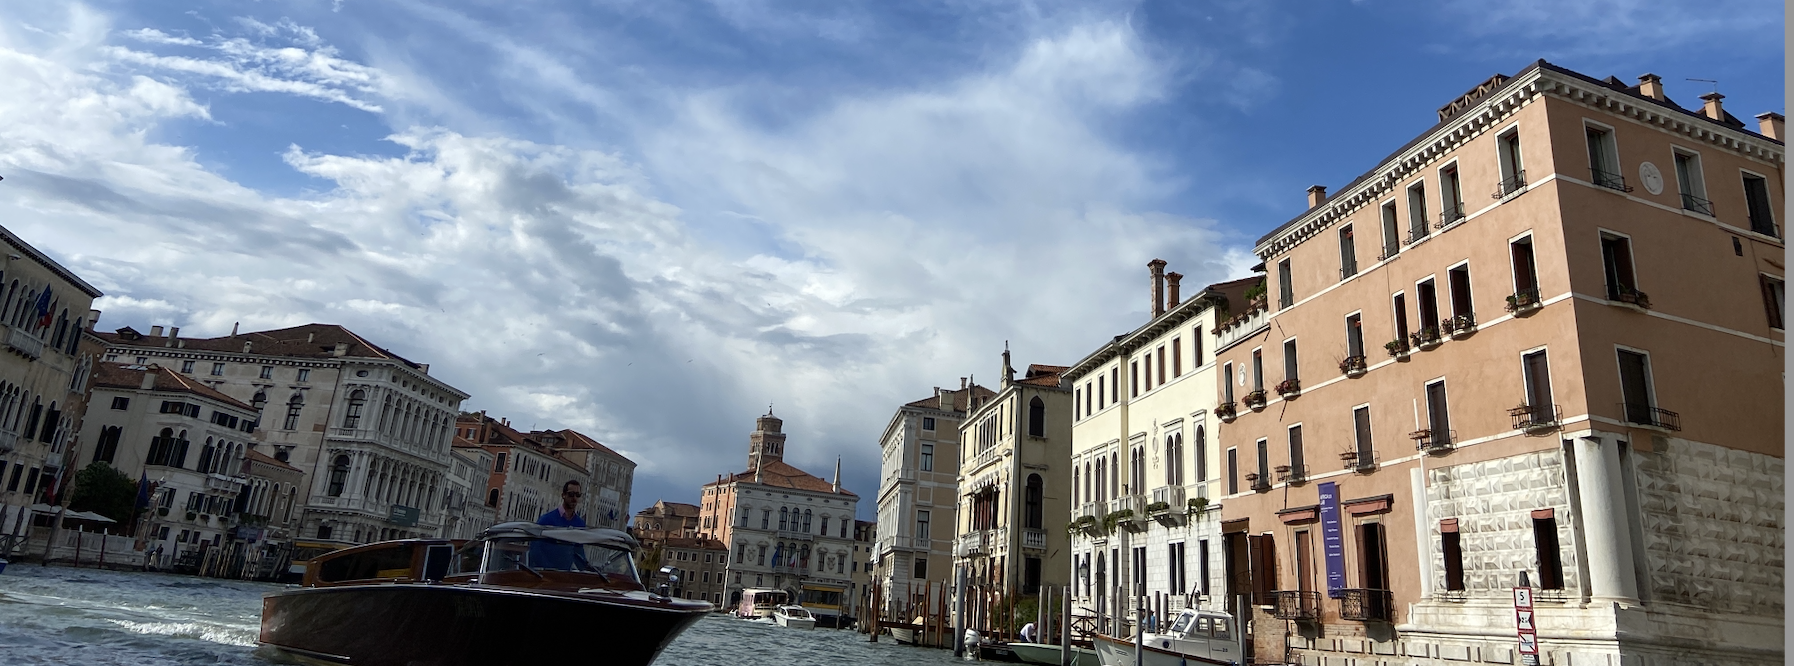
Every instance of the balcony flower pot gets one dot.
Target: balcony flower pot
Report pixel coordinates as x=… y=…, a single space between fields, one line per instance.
x=1226 y=412
x=1523 y=303
x=1427 y=338
x=191 y=515
x=1123 y=518
x=1196 y=505
x=1354 y=366
x=162 y=511
x=1289 y=388
x=1157 y=507
x=1398 y=349
x=1459 y=326
x=1255 y=400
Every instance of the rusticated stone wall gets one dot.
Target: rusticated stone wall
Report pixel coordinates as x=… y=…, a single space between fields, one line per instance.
x=1713 y=526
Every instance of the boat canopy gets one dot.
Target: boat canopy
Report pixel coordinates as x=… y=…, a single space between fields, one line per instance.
x=589 y=536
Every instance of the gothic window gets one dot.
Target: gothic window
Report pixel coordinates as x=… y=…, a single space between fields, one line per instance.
x=339 y=474
x=1036 y=417
x=782 y=519
x=1036 y=498
x=806 y=521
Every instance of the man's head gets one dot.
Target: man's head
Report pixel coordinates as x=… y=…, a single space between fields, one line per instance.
x=570 y=494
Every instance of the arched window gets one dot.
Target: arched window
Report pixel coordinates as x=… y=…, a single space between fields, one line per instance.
x=159 y=447
x=1201 y=454
x=339 y=474
x=178 y=456
x=1174 y=459
x=107 y=447
x=52 y=418
x=352 y=417
x=824 y=525
x=1036 y=417
x=806 y=521
x=205 y=458
x=1035 y=514
x=294 y=405
x=492 y=497
x=782 y=516
x=804 y=557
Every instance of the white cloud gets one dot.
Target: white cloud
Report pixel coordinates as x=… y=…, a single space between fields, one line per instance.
x=298 y=64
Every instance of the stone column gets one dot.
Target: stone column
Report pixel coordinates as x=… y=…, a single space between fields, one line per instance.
x=1607 y=534
x=1423 y=531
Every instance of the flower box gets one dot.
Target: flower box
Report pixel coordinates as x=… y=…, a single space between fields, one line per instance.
x=1289 y=388
x=1255 y=400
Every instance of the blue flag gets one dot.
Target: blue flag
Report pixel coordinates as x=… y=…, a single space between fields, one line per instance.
x=143 y=499
x=43 y=308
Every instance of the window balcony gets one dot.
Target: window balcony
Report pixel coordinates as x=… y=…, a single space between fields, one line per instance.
x=1289 y=388
x=1524 y=302
x=1459 y=327
x=1296 y=605
x=1354 y=366
x=1227 y=412
x=1535 y=418
x=1628 y=296
x=1359 y=461
x=1258 y=483
x=1366 y=605
x=1418 y=232
x=1033 y=539
x=1388 y=253
x=1609 y=180
x=25 y=344
x=1449 y=215
x=8 y=441
x=1694 y=204
x=970 y=544
x=1292 y=474
x=1255 y=400
x=1651 y=417
x=792 y=535
x=1433 y=441
x=1426 y=339
x=1169 y=496
x=1510 y=186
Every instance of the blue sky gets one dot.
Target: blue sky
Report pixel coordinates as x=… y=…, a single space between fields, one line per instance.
x=647 y=220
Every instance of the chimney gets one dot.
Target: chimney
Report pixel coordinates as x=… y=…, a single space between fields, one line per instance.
x=174 y=333
x=93 y=320
x=962 y=383
x=1171 y=280
x=1008 y=370
x=233 y=328
x=248 y=345
x=149 y=380
x=341 y=348
x=1770 y=124
x=1651 y=85
x=425 y=367
x=1158 y=286
x=1317 y=195
x=1713 y=109
x=309 y=337
x=155 y=331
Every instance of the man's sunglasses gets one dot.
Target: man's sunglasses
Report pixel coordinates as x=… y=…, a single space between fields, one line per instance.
x=571 y=494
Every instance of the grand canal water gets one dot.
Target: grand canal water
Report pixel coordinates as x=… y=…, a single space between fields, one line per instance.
x=58 y=615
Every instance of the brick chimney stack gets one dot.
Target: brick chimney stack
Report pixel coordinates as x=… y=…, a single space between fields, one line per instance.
x=1158 y=286
x=1651 y=85
x=1772 y=125
x=1317 y=195
x=1712 y=108
x=1171 y=280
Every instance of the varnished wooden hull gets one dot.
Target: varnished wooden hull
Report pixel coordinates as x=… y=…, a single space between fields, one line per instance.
x=408 y=624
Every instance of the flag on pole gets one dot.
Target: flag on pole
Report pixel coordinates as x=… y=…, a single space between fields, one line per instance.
x=143 y=498
x=43 y=308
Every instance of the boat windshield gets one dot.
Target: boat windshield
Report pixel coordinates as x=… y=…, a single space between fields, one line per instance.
x=1183 y=622
x=797 y=612
x=547 y=555
x=1218 y=628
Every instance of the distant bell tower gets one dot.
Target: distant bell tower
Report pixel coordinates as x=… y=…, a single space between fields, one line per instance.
x=767 y=443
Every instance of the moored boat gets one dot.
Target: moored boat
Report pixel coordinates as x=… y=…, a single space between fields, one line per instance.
x=759 y=603
x=1195 y=637
x=794 y=617
x=519 y=593
x=1041 y=653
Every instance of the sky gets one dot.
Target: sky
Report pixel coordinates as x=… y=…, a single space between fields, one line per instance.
x=649 y=221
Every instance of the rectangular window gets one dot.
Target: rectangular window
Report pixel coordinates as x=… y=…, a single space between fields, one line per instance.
x=121 y=402
x=1133 y=375
x=1146 y=362
x=922 y=525
x=1635 y=386
x=187 y=367
x=1692 y=184
x=1426 y=299
x=1286 y=292
x=1551 y=568
x=1089 y=397
x=1161 y=365
x=1140 y=570
x=1756 y=198
x=1101 y=392
x=217 y=369
x=1361 y=436
x=928 y=423
x=1202 y=566
x=1264 y=463
x=1451 y=196
x=1392 y=235
x=1513 y=171
x=1201 y=453
x=1115 y=380
x=1355 y=336
x=1227 y=382
x=1289 y=360
x=1348 y=253
x=1417 y=225
x=1616 y=261
x=1174 y=568
x=1297 y=462
x=1526 y=274
x=499 y=466
x=1538 y=386
x=1438 y=414
x=267 y=372
x=1775 y=300
x=1304 y=542
x=1196 y=347
x=1233 y=471
x=1373 y=559
x=1461 y=303
x=1603 y=158
x=1177 y=357
x=927 y=462
x=1258 y=370
x=1454 y=556
x=1077 y=402
x=304 y=374
x=1401 y=318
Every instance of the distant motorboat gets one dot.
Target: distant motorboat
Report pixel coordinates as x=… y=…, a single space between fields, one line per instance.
x=1195 y=637
x=455 y=602
x=1041 y=653
x=794 y=617
x=760 y=603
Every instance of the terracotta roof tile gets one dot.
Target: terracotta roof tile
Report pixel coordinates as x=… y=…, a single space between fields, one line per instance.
x=120 y=375
x=265 y=459
x=307 y=341
x=780 y=474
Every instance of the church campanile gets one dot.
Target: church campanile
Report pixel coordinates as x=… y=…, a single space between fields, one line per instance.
x=767 y=443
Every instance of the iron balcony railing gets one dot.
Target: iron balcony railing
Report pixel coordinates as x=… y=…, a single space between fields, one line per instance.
x=1534 y=417
x=1255 y=399
x=1388 y=252
x=1349 y=269
x=1292 y=473
x=1523 y=300
x=1354 y=365
x=1418 y=232
x=1433 y=441
x=1651 y=416
x=1360 y=461
x=1610 y=180
x=1296 y=605
x=1366 y=605
x=1258 y=482
x=1424 y=337
x=1511 y=185
x=1459 y=324
x=1696 y=204
x=1450 y=215
x=1762 y=224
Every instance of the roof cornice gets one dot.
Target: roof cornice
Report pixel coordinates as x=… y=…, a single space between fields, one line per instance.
x=1127 y=342
x=1518 y=92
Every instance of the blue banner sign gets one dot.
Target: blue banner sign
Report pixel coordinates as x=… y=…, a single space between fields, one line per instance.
x=1332 y=540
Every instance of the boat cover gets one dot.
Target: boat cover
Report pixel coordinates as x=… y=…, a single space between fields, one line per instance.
x=591 y=536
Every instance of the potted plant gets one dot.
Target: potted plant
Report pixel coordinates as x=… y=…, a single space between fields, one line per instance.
x=1226 y=411
x=1523 y=301
x=1398 y=347
x=1354 y=366
x=1196 y=505
x=1255 y=399
x=1459 y=325
x=191 y=515
x=1289 y=388
x=162 y=511
x=1426 y=338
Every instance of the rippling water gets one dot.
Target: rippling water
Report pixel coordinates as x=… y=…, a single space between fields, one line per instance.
x=57 y=615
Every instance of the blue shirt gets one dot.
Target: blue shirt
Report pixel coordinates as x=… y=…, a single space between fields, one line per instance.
x=553 y=519
x=559 y=556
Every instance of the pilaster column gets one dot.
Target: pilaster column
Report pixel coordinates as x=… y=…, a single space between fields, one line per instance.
x=1602 y=507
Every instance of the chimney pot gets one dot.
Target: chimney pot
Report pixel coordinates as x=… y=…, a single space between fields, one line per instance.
x=962 y=383
x=341 y=349
x=174 y=331
x=1157 y=266
x=233 y=328
x=1651 y=85
x=149 y=380
x=310 y=337
x=93 y=320
x=1771 y=124
x=1713 y=109
x=1317 y=195
x=1171 y=280
x=155 y=331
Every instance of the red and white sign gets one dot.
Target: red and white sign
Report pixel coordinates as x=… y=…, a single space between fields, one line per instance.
x=1523 y=621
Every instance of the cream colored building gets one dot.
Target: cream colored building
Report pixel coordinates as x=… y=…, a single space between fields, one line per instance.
x=465 y=511
x=919 y=492
x=1014 y=479
x=529 y=470
x=1144 y=460
x=1541 y=344
x=371 y=429
x=269 y=514
x=43 y=309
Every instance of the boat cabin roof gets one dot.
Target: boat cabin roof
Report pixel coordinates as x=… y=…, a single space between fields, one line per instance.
x=587 y=536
